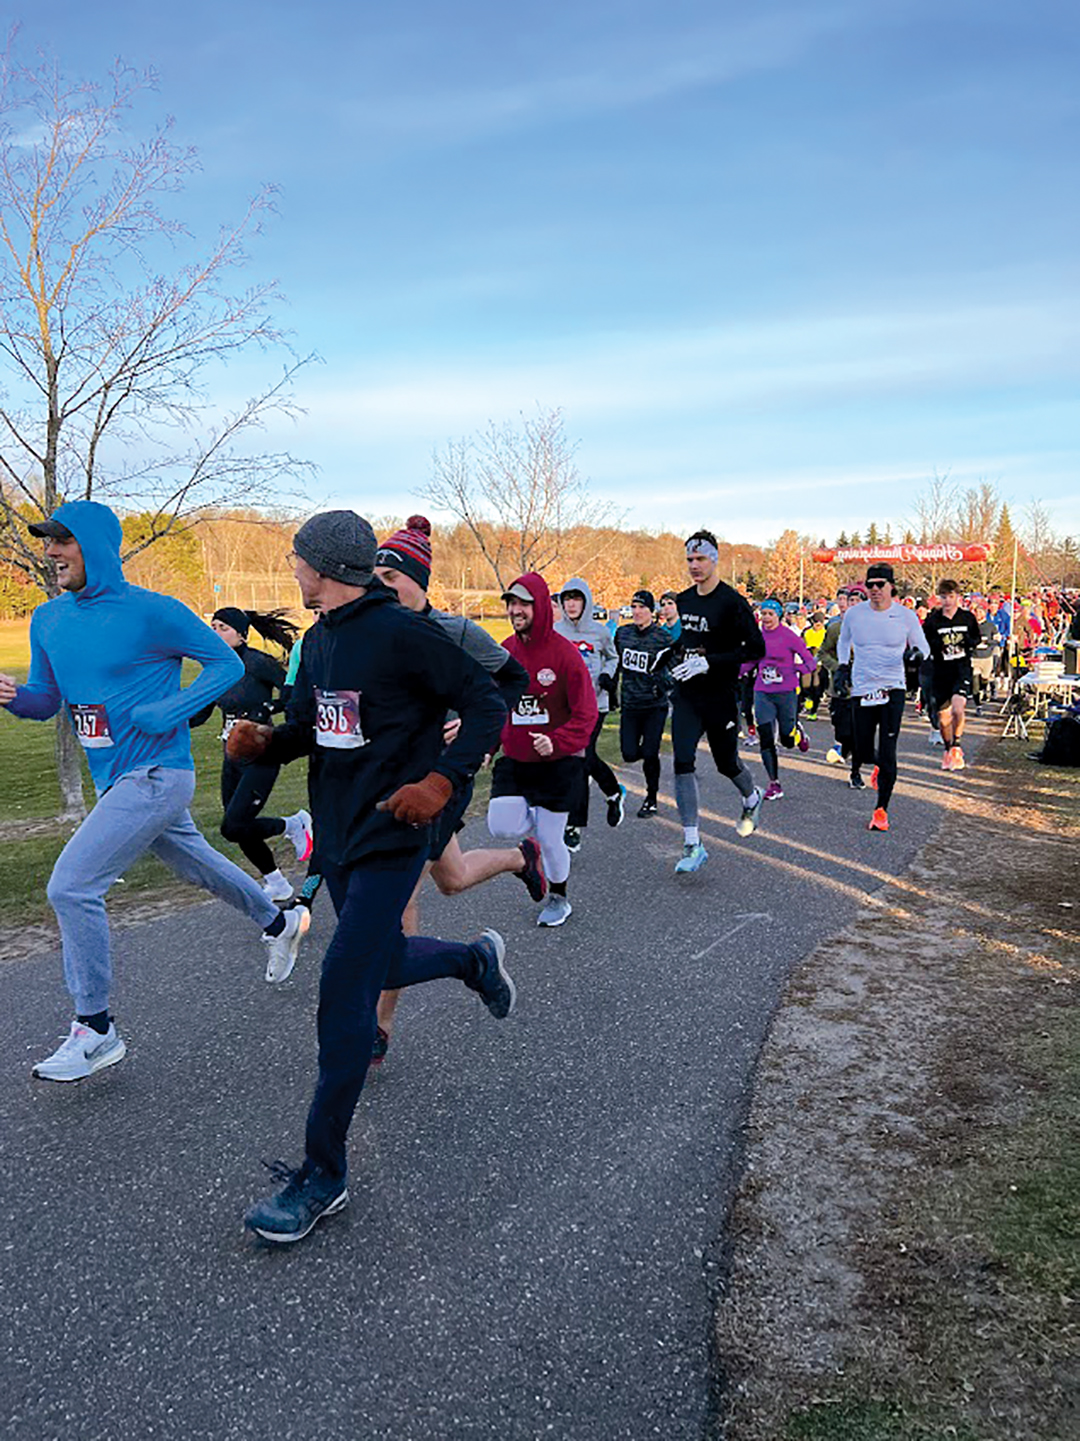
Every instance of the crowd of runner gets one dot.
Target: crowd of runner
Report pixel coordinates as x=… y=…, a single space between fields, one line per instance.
x=394 y=706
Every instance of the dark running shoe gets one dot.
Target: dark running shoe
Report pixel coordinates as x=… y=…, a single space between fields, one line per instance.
x=533 y=874
x=856 y=782
x=616 y=807
x=648 y=808
x=492 y=983
x=381 y=1046
x=306 y=1197
x=572 y=839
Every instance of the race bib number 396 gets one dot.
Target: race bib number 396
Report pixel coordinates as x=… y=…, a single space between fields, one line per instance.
x=92 y=726
x=337 y=719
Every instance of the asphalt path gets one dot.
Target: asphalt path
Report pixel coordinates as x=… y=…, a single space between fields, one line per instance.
x=535 y=1232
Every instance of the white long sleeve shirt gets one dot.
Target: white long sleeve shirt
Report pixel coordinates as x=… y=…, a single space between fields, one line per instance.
x=879 y=639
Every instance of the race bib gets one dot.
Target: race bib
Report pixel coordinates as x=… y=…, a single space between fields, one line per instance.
x=954 y=652
x=530 y=711
x=636 y=661
x=337 y=720
x=91 y=726
x=771 y=676
x=874 y=697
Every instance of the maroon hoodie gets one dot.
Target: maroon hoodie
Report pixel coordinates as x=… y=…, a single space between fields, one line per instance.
x=560 y=700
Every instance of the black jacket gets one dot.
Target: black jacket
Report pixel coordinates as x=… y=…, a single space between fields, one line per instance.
x=374 y=685
x=253 y=694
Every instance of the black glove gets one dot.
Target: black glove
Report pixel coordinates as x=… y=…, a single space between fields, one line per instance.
x=609 y=684
x=841 y=682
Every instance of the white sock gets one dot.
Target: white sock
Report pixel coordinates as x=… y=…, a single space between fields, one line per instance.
x=753 y=798
x=691 y=835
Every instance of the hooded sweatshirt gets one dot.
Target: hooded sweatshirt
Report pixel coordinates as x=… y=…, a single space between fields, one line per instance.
x=112 y=652
x=560 y=700
x=593 y=639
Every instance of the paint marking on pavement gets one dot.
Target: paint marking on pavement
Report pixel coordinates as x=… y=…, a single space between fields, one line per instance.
x=742 y=918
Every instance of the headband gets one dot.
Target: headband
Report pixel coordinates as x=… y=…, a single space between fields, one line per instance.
x=697 y=545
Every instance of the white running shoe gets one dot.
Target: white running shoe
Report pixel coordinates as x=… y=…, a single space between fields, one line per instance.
x=747 y=823
x=834 y=756
x=298 y=830
x=281 y=951
x=276 y=887
x=84 y=1052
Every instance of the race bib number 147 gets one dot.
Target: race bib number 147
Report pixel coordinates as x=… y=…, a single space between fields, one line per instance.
x=337 y=719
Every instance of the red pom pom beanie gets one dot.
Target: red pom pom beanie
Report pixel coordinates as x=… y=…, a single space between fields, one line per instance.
x=409 y=550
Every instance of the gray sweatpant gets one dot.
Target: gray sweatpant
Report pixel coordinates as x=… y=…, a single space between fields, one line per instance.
x=146 y=810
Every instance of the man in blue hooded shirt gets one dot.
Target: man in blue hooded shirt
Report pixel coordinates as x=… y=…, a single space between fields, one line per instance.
x=112 y=653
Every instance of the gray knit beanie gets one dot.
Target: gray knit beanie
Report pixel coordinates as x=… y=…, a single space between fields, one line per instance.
x=339 y=544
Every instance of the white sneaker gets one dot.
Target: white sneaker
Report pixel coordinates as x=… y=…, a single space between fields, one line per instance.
x=276 y=887
x=298 y=830
x=281 y=951
x=834 y=756
x=935 y=738
x=84 y=1052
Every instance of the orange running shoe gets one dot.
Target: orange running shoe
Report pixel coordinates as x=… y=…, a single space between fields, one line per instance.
x=879 y=821
x=958 y=761
x=874 y=776
x=947 y=761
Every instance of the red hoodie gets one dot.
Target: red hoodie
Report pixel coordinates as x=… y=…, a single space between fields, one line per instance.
x=560 y=700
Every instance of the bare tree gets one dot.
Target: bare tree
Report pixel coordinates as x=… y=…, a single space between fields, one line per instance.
x=105 y=357
x=518 y=490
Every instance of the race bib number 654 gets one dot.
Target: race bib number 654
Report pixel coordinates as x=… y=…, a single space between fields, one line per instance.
x=337 y=719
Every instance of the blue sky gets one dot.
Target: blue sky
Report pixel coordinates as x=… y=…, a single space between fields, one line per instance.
x=776 y=262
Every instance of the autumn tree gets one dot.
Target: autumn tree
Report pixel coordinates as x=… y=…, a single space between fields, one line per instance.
x=111 y=323
x=782 y=565
x=517 y=488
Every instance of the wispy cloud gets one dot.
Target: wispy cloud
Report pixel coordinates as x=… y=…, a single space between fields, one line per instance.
x=638 y=71
x=774 y=365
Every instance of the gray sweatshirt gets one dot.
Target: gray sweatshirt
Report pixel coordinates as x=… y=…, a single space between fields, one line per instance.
x=592 y=638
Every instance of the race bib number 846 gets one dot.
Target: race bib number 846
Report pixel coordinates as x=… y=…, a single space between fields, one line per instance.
x=337 y=719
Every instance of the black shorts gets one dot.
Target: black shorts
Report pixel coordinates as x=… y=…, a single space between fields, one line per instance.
x=449 y=821
x=553 y=784
x=953 y=678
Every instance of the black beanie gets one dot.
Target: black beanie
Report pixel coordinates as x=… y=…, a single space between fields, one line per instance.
x=234 y=616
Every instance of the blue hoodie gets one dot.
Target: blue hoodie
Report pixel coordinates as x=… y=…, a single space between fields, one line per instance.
x=112 y=652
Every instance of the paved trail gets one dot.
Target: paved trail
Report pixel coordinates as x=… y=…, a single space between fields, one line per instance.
x=537 y=1205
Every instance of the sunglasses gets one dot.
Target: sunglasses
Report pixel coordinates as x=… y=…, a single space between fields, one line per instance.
x=876 y=584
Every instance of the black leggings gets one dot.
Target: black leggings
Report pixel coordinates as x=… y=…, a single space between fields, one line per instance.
x=245 y=789
x=877 y=728
x=600 y=772
x=640 y=732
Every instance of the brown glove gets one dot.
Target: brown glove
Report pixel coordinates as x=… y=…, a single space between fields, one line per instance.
x=247 y=740
x=420 y=802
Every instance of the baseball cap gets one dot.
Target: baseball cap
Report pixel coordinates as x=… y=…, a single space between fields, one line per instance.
x=50 y=530
x=881 y=571
x=517 y=592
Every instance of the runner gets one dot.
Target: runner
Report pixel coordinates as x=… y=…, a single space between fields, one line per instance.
x=371 y=696
x=541 y=770
x=814 y=687
x=984 y=661
x=718 y=635
x=878 y=634
x=597 y=647
x=776 y=692
x=953 y=636
x=646 y=685
x=669 y=621
x=403 y=562
x=245 y=789
x=111 y=652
